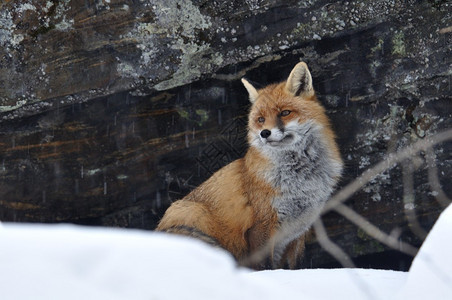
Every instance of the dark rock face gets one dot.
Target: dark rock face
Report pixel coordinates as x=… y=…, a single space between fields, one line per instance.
x=111 y=110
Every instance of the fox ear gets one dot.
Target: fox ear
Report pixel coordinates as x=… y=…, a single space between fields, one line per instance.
x=300 y=81
x=251 y=90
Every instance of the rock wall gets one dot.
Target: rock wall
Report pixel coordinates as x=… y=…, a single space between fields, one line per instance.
x=110 y=110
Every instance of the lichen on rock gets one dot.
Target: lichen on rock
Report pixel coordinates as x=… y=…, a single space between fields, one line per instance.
x=175 y=26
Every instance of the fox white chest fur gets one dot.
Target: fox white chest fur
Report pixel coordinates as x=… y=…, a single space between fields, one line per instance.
x=304 y=172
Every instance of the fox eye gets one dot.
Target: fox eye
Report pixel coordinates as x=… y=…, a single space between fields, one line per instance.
x=285 y=113
x=261 y=119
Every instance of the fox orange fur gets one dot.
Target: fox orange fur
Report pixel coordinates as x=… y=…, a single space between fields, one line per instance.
x=275 y=192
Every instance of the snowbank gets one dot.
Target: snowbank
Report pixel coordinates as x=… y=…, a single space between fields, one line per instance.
x=430 y=275
x=73 y=262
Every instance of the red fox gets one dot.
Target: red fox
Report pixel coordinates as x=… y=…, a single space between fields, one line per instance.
x=277 y=190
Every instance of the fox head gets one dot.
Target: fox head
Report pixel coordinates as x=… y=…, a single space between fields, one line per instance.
x=283 y=114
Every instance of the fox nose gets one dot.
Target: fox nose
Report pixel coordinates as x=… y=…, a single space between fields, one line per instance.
x=265 y=133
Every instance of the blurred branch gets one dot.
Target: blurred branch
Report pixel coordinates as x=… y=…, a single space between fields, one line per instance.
x=374 y=232
x=330 y=247
x=408 y=155
x=409 y=197
x=386 y=164
x=257 y=257
x=433 y=179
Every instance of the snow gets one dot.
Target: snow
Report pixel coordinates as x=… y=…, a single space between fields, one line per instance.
x=431 y=268
x=337 y=283
x=75 y=262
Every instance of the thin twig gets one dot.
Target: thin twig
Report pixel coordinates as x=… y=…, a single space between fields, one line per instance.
x=409 y=199
x=330 y=247
x=384 y=165
x=433 y=179
x=374 y=231
x=257 y=257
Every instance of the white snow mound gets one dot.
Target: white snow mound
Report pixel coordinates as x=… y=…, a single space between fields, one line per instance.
x=75 y=262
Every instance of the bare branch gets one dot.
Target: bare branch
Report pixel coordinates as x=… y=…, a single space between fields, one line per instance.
x=433 y=179
x=408 y=199
x=387 y=164
x=331 y=247
x=258 y=256
x=374 y=232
